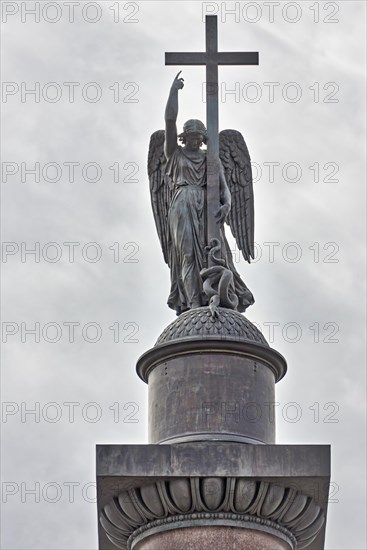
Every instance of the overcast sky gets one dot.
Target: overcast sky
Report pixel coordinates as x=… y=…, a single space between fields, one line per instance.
x=100 y=91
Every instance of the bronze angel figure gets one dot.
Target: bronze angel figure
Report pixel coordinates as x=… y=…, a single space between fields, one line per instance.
x=177 y=177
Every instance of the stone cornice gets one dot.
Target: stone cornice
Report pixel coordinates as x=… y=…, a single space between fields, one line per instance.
x=284 y=509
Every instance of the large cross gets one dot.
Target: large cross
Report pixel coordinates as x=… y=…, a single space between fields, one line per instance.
x=212 y=58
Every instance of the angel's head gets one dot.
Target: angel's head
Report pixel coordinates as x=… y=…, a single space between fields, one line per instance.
x=194 y=134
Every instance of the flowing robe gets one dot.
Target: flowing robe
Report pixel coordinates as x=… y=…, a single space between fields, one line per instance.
x=187 y=235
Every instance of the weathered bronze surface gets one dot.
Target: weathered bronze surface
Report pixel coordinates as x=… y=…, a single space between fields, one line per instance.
x=194 y=192
x=211 y=396
x=199 y=324
x=211 y=378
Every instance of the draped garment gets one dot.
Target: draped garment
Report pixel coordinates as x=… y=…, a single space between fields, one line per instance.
x=187 y=235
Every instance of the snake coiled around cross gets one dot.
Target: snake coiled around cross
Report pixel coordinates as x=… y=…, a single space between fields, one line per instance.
x=218 y=282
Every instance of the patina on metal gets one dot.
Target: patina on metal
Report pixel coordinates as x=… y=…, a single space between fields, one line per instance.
x=195 y=191
x=211 y=379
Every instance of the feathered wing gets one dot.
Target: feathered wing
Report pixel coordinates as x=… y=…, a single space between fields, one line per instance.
x=160 y=188
x=236 y=162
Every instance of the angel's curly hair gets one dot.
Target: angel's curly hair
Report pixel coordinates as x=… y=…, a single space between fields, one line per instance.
x=192 y=126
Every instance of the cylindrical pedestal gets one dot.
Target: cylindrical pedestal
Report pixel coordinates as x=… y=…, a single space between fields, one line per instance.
x=205 y=396
x=211 y=379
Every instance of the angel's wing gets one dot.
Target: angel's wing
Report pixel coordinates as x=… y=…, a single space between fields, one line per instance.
x=236 y=162
x=160 y=188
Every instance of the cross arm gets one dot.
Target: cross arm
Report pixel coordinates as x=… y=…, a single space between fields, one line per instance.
x=185 y=58
x=238 y=58
x=220 y=58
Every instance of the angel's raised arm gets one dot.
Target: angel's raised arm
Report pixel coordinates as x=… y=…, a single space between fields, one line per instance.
x=171 y=116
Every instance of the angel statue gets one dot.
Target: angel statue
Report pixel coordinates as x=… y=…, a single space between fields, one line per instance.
x=178 y=179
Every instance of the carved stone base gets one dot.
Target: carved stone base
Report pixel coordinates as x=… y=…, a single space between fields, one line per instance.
x=234 y=495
